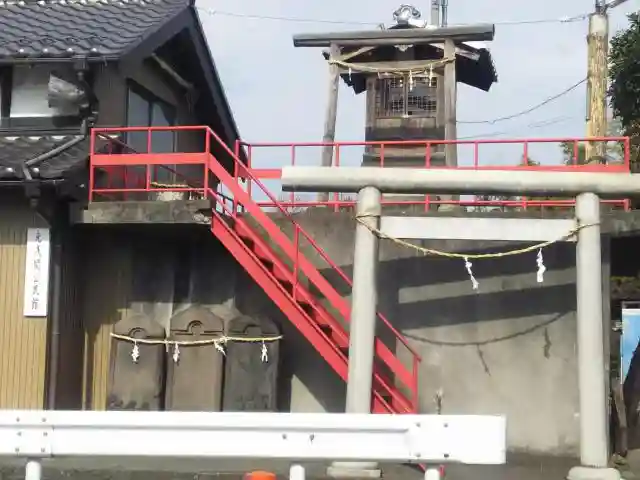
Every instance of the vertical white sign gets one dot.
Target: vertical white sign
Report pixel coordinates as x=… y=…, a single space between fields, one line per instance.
x=36 y=272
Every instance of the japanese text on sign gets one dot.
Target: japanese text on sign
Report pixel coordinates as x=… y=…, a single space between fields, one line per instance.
x=36 y=281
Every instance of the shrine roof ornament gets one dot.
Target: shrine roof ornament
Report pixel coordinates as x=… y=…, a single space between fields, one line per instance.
x=410 y=16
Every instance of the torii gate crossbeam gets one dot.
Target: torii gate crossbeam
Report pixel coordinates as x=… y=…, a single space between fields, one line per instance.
x=371 y=182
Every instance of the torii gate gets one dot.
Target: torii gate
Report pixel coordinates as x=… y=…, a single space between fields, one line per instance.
x=369 y=183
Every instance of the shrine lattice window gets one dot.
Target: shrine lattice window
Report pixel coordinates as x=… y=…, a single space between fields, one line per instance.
x=400 y=97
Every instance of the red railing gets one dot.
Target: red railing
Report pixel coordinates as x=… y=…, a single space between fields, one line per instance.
x=124 y=172
x=520 y=150
x=474 y=160
x=141 y=165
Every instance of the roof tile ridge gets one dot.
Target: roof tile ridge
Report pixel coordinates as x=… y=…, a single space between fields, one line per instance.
x=44 y=3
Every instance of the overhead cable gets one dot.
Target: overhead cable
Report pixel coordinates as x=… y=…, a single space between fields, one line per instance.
x=279 y=18
x=531 y=126
x=528 y=110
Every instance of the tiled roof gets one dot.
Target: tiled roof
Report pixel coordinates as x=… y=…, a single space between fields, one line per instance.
x=80 y=28
x=15 y=150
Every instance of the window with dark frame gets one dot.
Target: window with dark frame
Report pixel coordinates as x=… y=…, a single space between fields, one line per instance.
x=401 y=97
x=25 y=107
x=147 y=110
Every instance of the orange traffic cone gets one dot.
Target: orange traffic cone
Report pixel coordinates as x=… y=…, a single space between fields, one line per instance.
x=260 y=475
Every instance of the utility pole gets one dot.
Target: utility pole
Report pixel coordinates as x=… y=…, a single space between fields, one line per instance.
x=444 y=6
x=331 y=114
x=597 y=77
x=434 y=17
x=438 y=17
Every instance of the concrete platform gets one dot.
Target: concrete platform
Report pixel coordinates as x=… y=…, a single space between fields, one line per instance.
x=149 y=212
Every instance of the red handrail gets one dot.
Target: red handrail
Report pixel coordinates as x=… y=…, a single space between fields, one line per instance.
x=317 y=247
x=428 y=144
x=571 y=163
x=437 y=142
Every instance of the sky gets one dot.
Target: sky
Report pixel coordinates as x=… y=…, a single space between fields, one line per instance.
x=278 y=92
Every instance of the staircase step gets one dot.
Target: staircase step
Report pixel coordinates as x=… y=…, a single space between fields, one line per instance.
x=338 y=340
x=314 y=310
x=243 y=231
x=320 y=316
x=380 y=407
x=282 y=274
x=399 y=401
x=324 y=319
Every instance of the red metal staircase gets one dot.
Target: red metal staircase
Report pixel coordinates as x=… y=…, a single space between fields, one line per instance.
x=273 y=259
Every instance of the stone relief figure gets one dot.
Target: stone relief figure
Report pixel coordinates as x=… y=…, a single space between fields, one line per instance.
x=250 y=378
x=194 y=373
x=137 y=370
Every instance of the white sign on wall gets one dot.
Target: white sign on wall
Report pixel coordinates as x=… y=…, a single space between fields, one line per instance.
x=36 y=272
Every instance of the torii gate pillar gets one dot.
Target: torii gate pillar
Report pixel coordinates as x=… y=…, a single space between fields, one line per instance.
x=362 y=333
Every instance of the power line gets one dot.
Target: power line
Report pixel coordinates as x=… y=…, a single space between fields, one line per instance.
x=613 y=4
x=528 y=110
x=532 y=126
x=577 y=18
x=224 y=13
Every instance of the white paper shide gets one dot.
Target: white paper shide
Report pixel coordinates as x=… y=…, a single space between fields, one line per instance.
x=36 y=272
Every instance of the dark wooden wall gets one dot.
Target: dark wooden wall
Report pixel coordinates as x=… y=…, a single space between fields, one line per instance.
x=178 y=283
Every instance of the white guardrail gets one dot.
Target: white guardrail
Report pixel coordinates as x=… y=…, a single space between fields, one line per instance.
x=144 y=438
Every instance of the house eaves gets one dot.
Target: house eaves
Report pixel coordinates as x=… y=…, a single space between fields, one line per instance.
x=70 y=30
